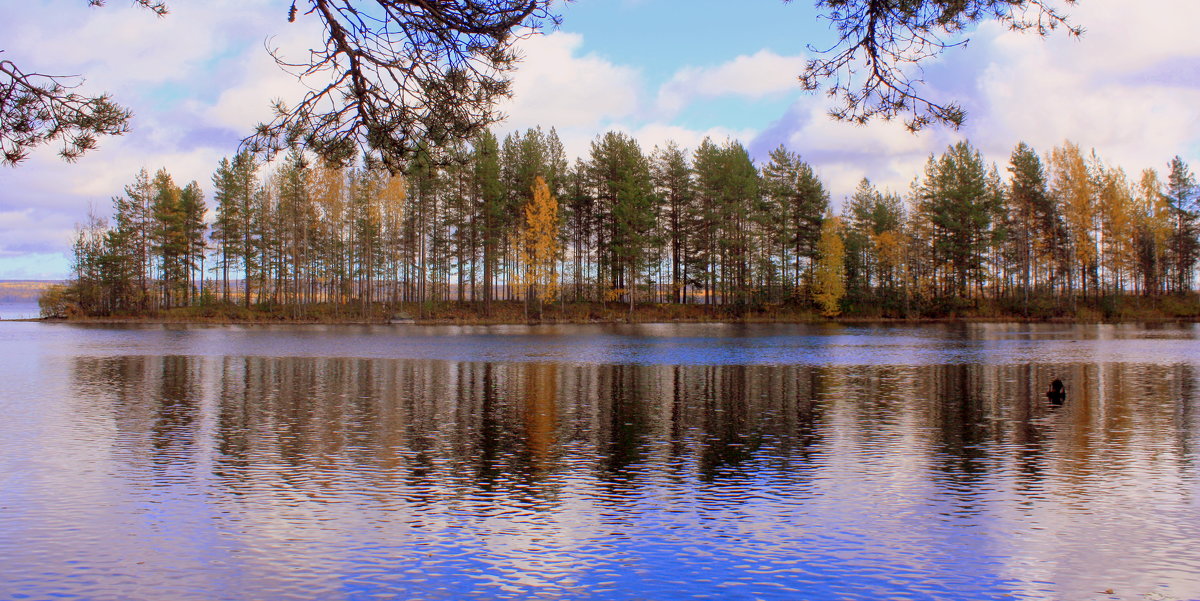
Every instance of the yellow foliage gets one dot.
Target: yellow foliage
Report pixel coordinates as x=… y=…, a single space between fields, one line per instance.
x=830 y=275
x=1071 y=185
x=1154 y=209
x=539 y=242
x=1116 y=210
x=395 y=191
x=889 y=249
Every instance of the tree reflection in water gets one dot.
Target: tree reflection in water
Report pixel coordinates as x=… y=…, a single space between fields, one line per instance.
x=547 y=469
x=515 y=425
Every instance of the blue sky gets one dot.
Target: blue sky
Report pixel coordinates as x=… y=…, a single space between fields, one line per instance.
x=661 y=70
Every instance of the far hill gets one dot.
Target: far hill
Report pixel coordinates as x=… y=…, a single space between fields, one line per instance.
x=23 y=291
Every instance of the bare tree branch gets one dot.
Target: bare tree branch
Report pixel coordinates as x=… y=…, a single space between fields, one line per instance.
x=399 y=77
x=874 y=68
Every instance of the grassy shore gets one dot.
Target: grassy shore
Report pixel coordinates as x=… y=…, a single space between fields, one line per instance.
x=1102 y=310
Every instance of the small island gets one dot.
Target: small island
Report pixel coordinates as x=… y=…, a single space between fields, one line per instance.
x=513 y=232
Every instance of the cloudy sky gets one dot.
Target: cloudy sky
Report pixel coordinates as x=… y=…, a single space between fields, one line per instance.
x=198 y=79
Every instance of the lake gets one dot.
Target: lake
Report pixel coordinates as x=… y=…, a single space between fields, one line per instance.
x=697 y=461
x=19 y=310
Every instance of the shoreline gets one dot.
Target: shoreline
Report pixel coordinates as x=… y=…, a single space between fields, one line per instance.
x=169 y=320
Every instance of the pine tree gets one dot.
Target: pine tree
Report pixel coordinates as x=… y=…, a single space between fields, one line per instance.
x=192 y=214
x=673 y=184
x=621 y=175
x=1184 y=196
x=141 y=221
x=1036 y=224
x=490 y=191
x=170 y=239
x=796 y=200
x=225 y=228
x=955 y=199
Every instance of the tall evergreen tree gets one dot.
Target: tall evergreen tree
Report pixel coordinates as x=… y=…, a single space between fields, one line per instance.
x=621 y=174
x=192 y=214
x=490 y=191
x=796 y=201
x=1184 y=198
x=954 y=198
x=673 y=185
x=170 y=239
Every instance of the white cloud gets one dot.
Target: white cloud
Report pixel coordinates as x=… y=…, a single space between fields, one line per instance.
x=554 y=86
x=658 y=134
x=748 y=76
x=1104 y=91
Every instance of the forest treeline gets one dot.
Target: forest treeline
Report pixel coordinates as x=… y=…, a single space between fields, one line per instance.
x=515 y=220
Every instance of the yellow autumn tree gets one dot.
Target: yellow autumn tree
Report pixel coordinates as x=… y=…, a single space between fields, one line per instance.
x=327 y=187
x=1071 y=185
x=829 y=278
x=1155 y=223
x=1118 y=241
x=539 y=244
x=889 y=255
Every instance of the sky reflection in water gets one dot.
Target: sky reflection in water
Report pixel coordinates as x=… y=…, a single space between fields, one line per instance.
x=598 y=462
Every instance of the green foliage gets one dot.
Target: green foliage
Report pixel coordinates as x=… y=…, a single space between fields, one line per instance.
x=308 y=238
x=954 y=199
x=794 y=200
x=620 y=174
x=1183 y=195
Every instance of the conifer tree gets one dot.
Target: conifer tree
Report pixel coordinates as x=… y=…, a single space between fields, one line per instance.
x=796 y=200
x=1036 y=223
x=490 y=192
x=955 y=199
x=170 y=239
x=1184 y=196
x=192 y=214
x=673 y=184
x=621 y=175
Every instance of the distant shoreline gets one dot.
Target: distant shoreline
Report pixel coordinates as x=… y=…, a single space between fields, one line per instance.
x=267 y=321
x=1128 y=309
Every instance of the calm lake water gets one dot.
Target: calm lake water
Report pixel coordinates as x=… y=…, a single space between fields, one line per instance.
x=599 y=462
x=19 y=310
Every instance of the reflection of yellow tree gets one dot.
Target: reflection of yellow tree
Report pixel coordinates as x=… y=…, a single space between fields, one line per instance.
x=830 y=274
x=539 y=244
x=541 y=389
